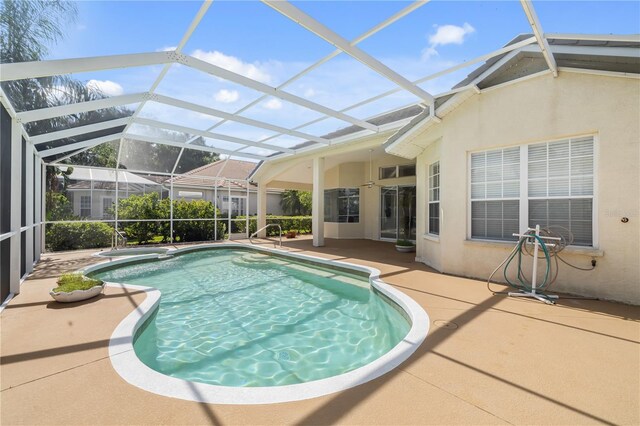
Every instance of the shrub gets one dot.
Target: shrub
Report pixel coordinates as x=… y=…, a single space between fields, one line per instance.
x=300 y=224
x=80 y=235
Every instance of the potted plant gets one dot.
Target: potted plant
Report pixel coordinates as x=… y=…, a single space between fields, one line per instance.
x=75 y=287
x=405 y=246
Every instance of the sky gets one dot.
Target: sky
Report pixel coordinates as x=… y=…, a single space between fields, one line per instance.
x=252 y=39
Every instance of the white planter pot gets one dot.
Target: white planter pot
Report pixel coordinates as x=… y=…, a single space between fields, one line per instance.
x=77 y=295
x=406 y=249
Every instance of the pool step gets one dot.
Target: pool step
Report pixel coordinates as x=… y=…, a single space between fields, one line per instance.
x=257 y=259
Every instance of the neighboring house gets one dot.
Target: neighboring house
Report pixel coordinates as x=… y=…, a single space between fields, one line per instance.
x=513 y=146
x=92 y=191
x=225 y=184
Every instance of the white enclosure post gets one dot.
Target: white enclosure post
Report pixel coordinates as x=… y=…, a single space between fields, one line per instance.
x=29 y=190
x=229 y=209
x=16 y=205
x=171 y=211
x=317 y=219
x=37 y=229
x=215 y=210
x=262 y=209
x=43 y=207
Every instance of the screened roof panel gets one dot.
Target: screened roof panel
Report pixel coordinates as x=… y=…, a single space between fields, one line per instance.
x=383 y=105
x=243 y=131
x=144 y=130
x=323 y=127
x=286 y=141
x=144 y=156
x=179 y=116
x=103 y=154
x=445 y=38
x=195 y=86
x=257 y=151
x=349 y=21
x=78 y=120
x=340 y=83
x=256 y=49
x=217 y=143
x=281 y=113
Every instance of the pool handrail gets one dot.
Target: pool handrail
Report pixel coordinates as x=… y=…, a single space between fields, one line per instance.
x=114 y=239
x=265 y=227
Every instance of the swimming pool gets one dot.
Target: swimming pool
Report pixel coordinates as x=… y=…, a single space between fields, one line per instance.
x=233 y=320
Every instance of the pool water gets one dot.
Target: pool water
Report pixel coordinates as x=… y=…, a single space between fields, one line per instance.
x=239 y=318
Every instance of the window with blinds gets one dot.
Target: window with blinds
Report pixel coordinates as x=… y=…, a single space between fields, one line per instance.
x=560 y=185
x=495 y=194
x=560 y=180
x=434 y=199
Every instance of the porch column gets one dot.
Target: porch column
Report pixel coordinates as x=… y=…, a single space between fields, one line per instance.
x=317 y=220
x=262 y=209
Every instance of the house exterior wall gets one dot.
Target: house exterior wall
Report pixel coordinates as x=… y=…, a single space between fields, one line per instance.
x=538 y=110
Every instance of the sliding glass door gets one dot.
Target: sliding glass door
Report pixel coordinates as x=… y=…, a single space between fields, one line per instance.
x=398 y=212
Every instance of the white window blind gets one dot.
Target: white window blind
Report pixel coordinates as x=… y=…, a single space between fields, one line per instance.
x=495 y=193
x=560 y=188
x=560 y=178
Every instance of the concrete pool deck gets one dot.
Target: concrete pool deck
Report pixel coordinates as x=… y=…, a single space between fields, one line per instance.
x=487 y=359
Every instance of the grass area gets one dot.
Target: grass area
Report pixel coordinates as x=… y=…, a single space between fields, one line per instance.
x=75 y=281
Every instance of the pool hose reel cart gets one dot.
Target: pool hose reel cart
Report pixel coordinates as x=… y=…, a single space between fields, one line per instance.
x=526 y=289
x=551 y=244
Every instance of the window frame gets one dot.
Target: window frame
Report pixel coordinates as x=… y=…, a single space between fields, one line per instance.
x=340 y=193
x=86 y=208
x=396 y=174
x=430 y=201
x=524 y=187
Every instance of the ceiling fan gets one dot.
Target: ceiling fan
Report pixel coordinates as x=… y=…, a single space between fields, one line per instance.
x=370 y=183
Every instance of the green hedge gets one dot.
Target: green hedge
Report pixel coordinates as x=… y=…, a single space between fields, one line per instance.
x=81 y=235
x=300 y=224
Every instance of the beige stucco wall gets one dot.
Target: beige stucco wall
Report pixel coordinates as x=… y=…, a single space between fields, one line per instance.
x=537 y=110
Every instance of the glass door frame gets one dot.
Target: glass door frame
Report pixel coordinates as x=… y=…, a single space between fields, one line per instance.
x=397 y=209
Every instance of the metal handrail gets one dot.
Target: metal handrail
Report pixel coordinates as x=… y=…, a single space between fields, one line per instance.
x=265 y=227
x=114 y=239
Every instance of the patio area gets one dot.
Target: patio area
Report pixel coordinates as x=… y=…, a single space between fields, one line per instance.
x=487 y=359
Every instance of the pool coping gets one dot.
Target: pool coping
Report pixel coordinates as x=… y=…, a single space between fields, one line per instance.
x=135 y=372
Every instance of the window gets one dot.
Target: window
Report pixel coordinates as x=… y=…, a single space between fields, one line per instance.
x=434 y=199
x=85 y=206
x=107 y=205
x=407 y=170
x=342 y=205
x=388 y=172
x=559 y=194
x=561 y=188
x=391 y=172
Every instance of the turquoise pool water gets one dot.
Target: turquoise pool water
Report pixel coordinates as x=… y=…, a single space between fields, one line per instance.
x=239 y=318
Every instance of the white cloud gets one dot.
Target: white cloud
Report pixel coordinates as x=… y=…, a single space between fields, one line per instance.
x=272 y=103
x=167 y=49
x=227 y=96
x=309 y=93
x=446 y=34
x=107 y=87
x=254 y=71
